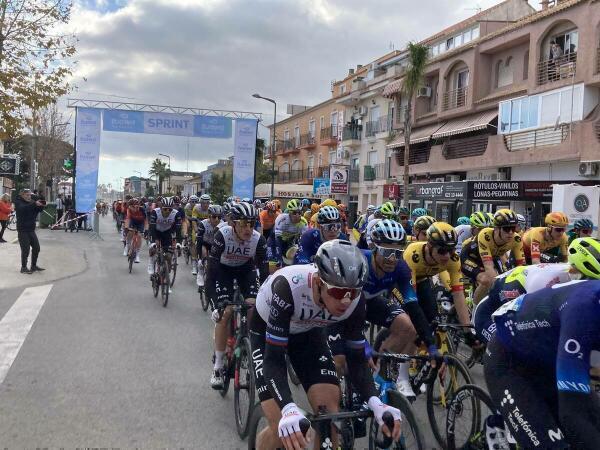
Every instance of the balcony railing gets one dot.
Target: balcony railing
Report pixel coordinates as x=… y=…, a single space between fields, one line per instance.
x=536 y=138
x=351 y=133
x=378 y=126
x=300 y=175
x=598 y=60
x=329 y=133
x=354 y=175
x=554 y=69
x=455 y=98
x=375 y=172
x=308 y=140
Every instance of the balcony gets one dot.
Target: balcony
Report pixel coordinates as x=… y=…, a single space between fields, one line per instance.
x=554 y=69
x=375 y=172
x=537 y=138
x=308 y=141
x=351 y=135
x=287 y=147
x=455 y=98
x=329 y=135
x=354 y=175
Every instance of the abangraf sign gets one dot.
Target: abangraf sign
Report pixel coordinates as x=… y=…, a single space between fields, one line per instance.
x=441 y=191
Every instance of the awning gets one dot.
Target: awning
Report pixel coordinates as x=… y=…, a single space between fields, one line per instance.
x=392 y=88
x=289 y=190
x=417 y=135
x=462 y=125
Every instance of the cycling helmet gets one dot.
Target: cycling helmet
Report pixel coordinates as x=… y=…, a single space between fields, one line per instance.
x=342 y=264
x=584 y=255
x=167 y=202
x=388 y=232
x=293 y=205
x=150 y=199
x=314 y=208
x=226 y=208
x=247 y=200
x=521 y=220
x=583 y=224
x=480 y=220
x=371 y=209
x=556 y=219
x=418 y=212
x=305 y=202
x=176 y=199
x=341 y=207
x=463 y=220
x=504 y=217
x=257 y=203
x=423 y=223
x=328 y=214
x=193 y=199
x=328 y=202
x=243 y=210
x=389 y=209
x=215 y=210
x=230 y=199
x=270 y=206
x=184 y=199
x=403 y=211
x=133 y=202
x=442 y=234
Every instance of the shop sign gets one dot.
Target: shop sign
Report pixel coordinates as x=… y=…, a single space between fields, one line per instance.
x=391 y=191
x=9 y=164
x=439 y=191
x=339 y=176
x=321 y=186
x=493 y=190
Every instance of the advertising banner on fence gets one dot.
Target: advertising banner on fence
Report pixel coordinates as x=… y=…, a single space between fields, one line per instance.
x=217 y=127
x=338 y=178
x=87 y=143
x=244 y=157
x=321 y=186
x=577 y=202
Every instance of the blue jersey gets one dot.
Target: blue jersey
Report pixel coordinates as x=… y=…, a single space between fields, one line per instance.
x=310 y=241
x=408 y=228
x=554 y=329
x=382 y=287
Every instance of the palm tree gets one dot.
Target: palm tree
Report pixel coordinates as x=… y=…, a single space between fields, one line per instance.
x=417 y=60
x=159 y=169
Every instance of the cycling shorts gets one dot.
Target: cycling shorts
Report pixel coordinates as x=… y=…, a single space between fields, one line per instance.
x=308 y=352
x=165 y=238
x=136 y=225
x=246 y=277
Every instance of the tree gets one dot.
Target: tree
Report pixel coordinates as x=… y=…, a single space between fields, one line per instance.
x=413 y=80
x=149 y=191
x=220 y=186
x=35 y=59
x=159 y=170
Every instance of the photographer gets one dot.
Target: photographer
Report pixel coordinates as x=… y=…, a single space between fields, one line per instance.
x=27 y=207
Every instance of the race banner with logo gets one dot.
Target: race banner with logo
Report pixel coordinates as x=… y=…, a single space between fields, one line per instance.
x=216 y=127
x=87 y=144
x=338 y=178
x=577 y=202
x=321 y=186
x=244 y=156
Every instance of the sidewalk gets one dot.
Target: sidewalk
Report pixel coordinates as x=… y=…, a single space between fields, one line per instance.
x=62 y=255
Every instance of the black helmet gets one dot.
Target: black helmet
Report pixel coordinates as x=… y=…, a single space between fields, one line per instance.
x=215 y=210
x=342 y=264
x=243 y=210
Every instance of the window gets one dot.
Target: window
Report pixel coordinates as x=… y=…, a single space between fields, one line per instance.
x=311 y=128
x=286 y=135
x=372 y=158
x=434 y=51
x=343 y=89
x=333 y=119
x=296 y=165
x=526 y=65
x=355 y=162
x=568 y=42
x=504 y=73
x=462 y=79
x=322 y=122
x=297 y=136
x=332 y=157
x=310 y=161
x=458 y=40
x=466 y=36
x=475 y=33
x=449 y=44
x=320 y=160
x=374 y=114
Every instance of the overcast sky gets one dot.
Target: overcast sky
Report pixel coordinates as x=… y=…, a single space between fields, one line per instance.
x=216 y=53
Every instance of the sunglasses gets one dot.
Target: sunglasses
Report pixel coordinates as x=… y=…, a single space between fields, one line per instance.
x=244 y=223
x=295 y=213
x=444 y=251
x=510 y=229
x=331 y=226
x=403 y=217
x=340 y=293
x=585 y=231
x=559 y=229
x=388 y=253
x=215 y=217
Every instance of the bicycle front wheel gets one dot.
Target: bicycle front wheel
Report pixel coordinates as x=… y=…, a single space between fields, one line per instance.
x=244 y=392
x=12 y=223
x=174 y=270
x=467 y=413
x=258 y=422
x=165 y=287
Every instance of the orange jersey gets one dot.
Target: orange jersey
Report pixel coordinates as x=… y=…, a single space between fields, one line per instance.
x=535 y=242
x=267 y=220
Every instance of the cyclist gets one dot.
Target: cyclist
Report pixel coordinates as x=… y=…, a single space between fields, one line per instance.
x=418 y=212
x=237 y=251
x=463 y=231
x=420 y=227
x=584 y=255
x=165 y=226
x=481 y=258
x=343 y=217
x=521 y=225
x=437 y=256
x=329 y=228
x=537 y=365
x=205 y=233
x=403 y=218
x=135 y=220
x=478 y=220
x=267 y=219
x=360 y=225
x=293 y=307
x=549 y=242
x=305 y=205
x=581 y=228
x=388 y=211
x=289 y=226
x=225 y=210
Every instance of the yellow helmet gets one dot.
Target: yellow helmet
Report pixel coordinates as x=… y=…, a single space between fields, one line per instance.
x=504 y=217
x=328 y=202
x=442 y=234
x=556 y=219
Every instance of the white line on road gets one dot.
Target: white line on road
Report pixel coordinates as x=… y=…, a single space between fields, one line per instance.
x=15 y=325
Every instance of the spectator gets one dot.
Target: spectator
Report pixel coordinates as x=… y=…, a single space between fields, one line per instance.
x=556 y=52
x=5 y=210
x=60 y=207
x=27 y=210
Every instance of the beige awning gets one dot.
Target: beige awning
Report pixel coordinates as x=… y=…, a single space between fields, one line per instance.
x=417 y=135
x=392 y=88
x=466 y=124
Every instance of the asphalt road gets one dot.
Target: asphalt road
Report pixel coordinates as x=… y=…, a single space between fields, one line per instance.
x=105 y=365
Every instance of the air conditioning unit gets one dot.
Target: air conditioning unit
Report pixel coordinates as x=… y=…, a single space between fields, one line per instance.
x=424 y=91
x=363 y=110
x=588 y=169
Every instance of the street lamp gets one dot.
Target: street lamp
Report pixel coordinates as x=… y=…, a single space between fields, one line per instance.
x=167 y=156
x=272 y=141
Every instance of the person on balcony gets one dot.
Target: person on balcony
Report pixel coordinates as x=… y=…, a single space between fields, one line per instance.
x=556 y=53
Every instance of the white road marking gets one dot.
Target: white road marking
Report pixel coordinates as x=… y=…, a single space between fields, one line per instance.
x=16 y=324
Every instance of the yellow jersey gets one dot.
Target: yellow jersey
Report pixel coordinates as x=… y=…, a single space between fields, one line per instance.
x=450 y=273
x=489 y=249
x=199 y=213
x=536 y=242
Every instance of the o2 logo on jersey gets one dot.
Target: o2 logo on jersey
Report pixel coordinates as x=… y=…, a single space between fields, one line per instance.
x=415 y=258
x=454 y=257
x=573 y=347
x=487 y=237
x=517 y=238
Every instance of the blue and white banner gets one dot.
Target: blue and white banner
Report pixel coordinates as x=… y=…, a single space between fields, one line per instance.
x=321 y=186
x=87 y=144
x=244 y=156
x=167 y=123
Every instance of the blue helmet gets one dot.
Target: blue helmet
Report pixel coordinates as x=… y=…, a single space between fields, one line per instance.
x=305 y=202
x=418 y=212
x=463 y=220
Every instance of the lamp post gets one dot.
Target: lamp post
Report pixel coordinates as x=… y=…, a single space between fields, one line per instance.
x=167 y=156
x=273 y=143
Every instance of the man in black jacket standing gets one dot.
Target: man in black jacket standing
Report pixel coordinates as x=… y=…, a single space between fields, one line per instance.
x=27 y=210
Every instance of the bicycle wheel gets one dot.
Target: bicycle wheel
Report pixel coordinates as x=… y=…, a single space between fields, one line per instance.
x=203 y=298
x=465 y=422
x=442 y=389
x=165 y=286
x=257 y=423
x=174 y=269
x=130 y=259
x=244 y=393
x=155 y=284
x=410 y=437
x=12 y=223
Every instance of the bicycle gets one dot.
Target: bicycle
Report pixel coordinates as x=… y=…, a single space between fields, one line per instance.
x=238 y=363
x=160 y=277
x=136 y=242
x=12 y=221
x=201 y=282
x=187 y=254
x=325 y=422
x=174 y=263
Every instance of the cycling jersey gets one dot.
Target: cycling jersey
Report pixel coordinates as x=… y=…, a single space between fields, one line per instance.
x=200 y=213
x=267 y=220
x=163 y=228
x=286 y=311
x=188 y=210
x=489 y=249
x=309 y=243
x=206 y=232
x=136 y=215
x=510 y=285
x=231 y=251
x=535 y=242
x=463 y=232
x=450 y=273
x=286 y=230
